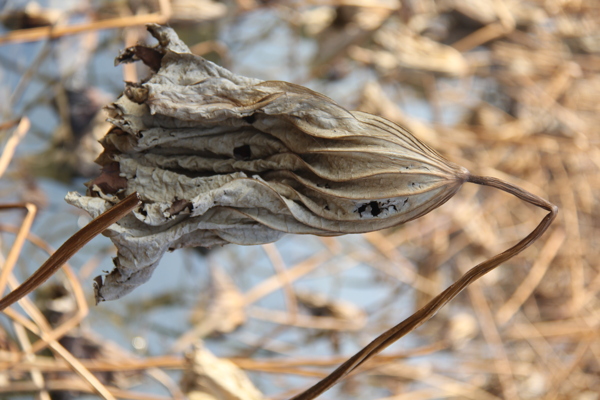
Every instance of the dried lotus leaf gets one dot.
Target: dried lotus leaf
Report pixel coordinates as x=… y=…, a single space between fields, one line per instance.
x=219 y=158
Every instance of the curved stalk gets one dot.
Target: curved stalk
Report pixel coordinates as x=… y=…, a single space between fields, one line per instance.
x=431 y=308
x=70 y=247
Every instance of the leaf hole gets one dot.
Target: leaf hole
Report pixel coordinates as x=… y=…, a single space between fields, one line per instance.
x=375 y=209
x=242 y=152
x=249 y=119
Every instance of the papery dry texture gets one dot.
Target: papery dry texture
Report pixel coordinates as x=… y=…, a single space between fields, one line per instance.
x=220 y=158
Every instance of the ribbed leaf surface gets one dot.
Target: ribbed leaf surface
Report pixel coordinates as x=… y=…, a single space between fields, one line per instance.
x=219 y=158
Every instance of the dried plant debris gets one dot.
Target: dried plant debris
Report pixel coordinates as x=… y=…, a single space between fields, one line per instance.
x=220 y=158
x=74 y=145
x=212 y=378
x=224 y=310
x=406 y=49
x=196 y=11
x=31 y=16
x=318 y=304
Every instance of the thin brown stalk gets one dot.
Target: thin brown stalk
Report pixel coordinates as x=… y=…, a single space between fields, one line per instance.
x=9 y=124
x=70 y=247
x=46 y=364
x=15 y=250
x=41 y=328
x=290 y=275
x=406 y=271
x=305 y=321
x=448 y=386
x=431 y=308
x=82 y=307
x=569 y=327
x=49 y=32
x=279 y=266
x=481 y=36
x=249 y=363
x=528 y=285
x=75 y=385
x=496 y=346
x=36 y=375
x=11 y=144
x=168 y=382
x=568 y=369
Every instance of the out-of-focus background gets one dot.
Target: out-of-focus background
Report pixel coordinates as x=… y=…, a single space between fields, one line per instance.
x=506 y=88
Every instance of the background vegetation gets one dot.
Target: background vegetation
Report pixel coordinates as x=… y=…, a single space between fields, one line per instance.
x=505 y=88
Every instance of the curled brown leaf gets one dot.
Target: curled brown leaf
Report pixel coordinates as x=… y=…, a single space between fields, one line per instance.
x=220 y=158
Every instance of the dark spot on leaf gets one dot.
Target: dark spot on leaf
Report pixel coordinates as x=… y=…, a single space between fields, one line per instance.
x=375 y=210
x=242 y=152
x=361 y=209
x=250 y=119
